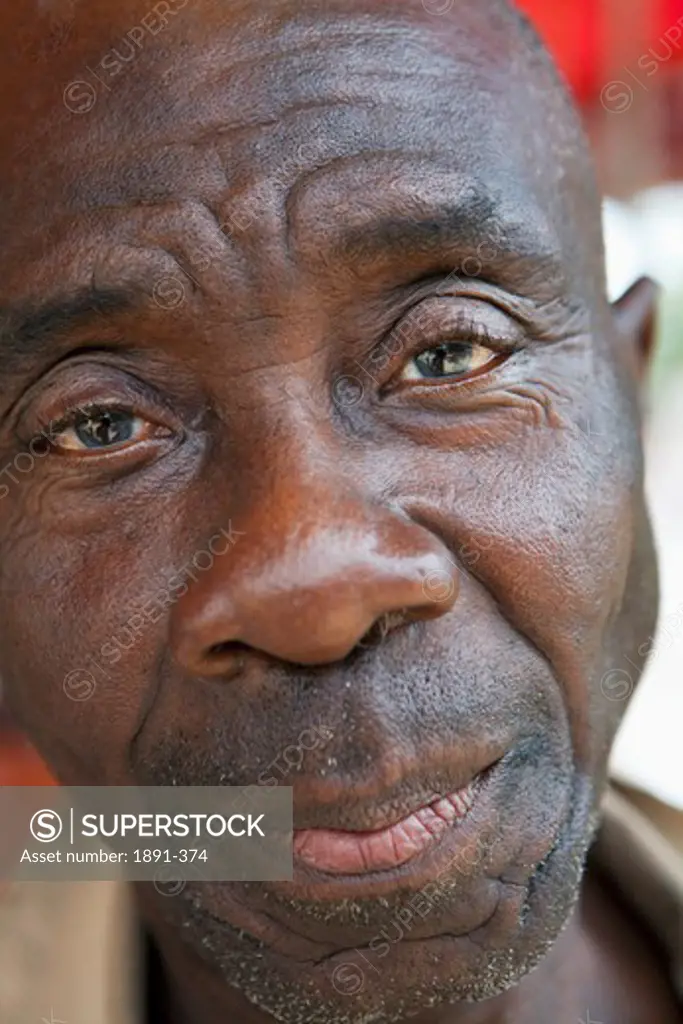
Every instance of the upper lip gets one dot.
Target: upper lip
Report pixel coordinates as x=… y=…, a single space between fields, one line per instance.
x=369 y=807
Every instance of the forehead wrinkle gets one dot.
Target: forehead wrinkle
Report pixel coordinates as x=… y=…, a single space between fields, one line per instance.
x=354 y=25
x=153 y=180
x=286 y=44
x=283 y=72
x=289 y=29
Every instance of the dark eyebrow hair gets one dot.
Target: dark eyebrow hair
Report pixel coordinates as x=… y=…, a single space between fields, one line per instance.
x=522 y=254
x=32 y=331
x=29 y=326
x=450 y=227
x=418 y=230
x=461 y=219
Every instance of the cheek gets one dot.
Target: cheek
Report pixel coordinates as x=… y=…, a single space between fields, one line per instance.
x=79 y=639
x=551 y=539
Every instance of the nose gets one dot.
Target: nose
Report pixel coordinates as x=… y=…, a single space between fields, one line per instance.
x=307 y=589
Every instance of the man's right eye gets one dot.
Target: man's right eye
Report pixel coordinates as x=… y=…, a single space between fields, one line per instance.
x=100 y=430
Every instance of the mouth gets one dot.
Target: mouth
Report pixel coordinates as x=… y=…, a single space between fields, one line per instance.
x=346 y=852
x=382 y=845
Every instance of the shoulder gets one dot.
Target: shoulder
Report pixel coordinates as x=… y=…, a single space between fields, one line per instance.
x=640 y=848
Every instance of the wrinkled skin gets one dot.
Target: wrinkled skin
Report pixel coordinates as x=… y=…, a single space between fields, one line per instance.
x=271 y=201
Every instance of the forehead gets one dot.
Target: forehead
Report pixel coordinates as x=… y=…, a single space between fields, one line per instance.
x=288 y=115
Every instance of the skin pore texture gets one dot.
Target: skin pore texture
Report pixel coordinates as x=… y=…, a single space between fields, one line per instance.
x=231 y=240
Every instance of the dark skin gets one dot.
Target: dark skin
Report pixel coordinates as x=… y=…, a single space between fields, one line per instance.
x=262 y=208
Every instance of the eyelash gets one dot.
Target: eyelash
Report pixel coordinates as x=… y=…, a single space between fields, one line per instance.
x=92 y=409
x=465 y=332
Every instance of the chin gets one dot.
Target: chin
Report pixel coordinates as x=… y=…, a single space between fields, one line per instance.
x=467 y=934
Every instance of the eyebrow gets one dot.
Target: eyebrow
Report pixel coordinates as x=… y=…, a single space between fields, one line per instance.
x=30 y=329
x=449 y=228
x=444 y=222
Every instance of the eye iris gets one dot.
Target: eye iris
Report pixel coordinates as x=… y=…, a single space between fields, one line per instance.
x=446 y=360
x=104 y=429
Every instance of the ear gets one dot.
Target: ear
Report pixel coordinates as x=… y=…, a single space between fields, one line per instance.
x=635 y=317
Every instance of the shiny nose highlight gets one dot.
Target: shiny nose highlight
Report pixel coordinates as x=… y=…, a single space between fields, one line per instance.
x=311 y=596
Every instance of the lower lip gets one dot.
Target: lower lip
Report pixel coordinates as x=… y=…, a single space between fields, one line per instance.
x=335 y=852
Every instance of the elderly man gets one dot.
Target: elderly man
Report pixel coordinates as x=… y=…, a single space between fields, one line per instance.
x=328 y=279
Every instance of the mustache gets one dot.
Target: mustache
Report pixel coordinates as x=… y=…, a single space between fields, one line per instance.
x=385 y=728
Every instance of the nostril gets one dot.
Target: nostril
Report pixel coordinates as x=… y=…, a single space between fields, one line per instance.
x=226 y=649
x=383 y=627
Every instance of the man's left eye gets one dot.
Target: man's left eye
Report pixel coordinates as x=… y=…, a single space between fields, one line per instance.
x=100 y=430
x=453 y=359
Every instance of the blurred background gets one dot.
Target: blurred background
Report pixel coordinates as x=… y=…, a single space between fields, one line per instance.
x=623 y=60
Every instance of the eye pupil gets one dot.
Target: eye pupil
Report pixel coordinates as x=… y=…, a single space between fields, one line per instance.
x=101 y=430
x=445 y=360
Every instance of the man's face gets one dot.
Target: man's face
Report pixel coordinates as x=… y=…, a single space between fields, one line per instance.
x=321 y=469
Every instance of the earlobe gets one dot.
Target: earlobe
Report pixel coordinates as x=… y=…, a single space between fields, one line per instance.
x=635 y=314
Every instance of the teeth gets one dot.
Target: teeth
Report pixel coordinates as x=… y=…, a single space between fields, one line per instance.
x=463 y=799
x=460 y=804
x=455 y=805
